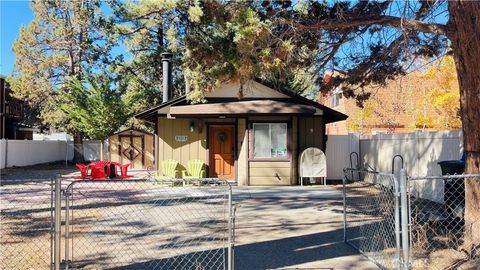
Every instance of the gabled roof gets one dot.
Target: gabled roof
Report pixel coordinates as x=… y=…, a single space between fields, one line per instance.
x=150 y=114
x=329 y=114
x=131 y=129
x=242 y=107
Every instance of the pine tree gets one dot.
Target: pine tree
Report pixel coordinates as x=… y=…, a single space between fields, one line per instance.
x=63 y=40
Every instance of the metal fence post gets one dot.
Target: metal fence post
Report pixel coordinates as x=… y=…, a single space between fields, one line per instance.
x=404 y=219
x=67 y=194
x=344 y=195
x=230 y=230
x=58 y=222
x=52 y=220
x=397 y=195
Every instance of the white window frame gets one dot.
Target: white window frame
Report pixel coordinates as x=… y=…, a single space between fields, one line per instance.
x=287 y=157
x=336 y=96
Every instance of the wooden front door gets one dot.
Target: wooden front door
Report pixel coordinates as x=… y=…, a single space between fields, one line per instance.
x=222 y=152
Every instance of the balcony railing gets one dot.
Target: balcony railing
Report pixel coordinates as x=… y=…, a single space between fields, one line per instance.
x=14 y=109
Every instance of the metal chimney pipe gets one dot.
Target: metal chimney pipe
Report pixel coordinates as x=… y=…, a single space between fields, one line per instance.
x=167 y=75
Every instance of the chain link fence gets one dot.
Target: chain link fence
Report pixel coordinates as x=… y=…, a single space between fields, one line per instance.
x=440 y=237
x=414 y=223
x=25 y=224
x=371 y=215
x=143 y=224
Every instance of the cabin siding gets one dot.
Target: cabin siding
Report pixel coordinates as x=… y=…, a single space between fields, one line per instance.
x=311 y=133
x=147 y=148
x=242 y=157
x=304 y=132
x=194 y=148
x=268 y=173
x=294 y=145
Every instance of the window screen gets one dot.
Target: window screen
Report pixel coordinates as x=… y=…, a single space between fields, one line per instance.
x=270 y=140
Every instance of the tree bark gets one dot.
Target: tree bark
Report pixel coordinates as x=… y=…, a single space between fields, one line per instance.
x=78 y=148
x=465 y=36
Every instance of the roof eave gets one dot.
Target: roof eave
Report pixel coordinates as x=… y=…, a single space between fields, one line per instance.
x=152 y=112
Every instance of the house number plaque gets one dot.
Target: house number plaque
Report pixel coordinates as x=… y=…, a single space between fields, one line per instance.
x=181 y=138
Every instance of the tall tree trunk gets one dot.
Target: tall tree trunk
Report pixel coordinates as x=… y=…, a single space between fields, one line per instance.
x=78 y=148
x=465 y=37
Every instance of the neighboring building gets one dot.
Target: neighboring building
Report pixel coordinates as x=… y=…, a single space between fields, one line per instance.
x=52 y=136
x=398 y=107
x=12 y=116
x=334 y=100
x=253 y=141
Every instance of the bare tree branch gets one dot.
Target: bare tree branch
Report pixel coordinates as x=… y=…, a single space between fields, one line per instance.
x=384 y=20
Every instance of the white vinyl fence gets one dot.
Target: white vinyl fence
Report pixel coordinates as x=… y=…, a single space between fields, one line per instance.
x=421 y=152
x=30 y=152
x=338 y=152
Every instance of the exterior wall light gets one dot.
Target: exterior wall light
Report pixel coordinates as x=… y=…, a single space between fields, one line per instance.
x=192 y=126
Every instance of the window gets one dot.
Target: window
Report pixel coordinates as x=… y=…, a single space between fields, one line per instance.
x=335 y=97
x=270 y=140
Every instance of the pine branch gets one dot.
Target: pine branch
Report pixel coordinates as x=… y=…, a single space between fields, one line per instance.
x=384 y=20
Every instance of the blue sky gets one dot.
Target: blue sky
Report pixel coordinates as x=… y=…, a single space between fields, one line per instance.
x=13 y=14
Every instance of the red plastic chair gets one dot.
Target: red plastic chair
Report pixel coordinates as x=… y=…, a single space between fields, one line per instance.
x=124 y=170
x=100 y=171
x=83 y=170
x=100 y=163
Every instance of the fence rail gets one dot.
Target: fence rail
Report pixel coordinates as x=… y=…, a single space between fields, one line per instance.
x=395 y=225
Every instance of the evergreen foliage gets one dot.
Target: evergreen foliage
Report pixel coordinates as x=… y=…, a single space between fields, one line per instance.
x=93 y=107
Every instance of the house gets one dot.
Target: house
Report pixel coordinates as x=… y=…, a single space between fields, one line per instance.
x=255 y=140
x=400 y=106
x=12 y=116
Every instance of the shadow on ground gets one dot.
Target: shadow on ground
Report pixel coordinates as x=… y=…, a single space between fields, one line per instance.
x=276 y=254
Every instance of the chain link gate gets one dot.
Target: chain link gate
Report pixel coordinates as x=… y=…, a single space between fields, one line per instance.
x=143 y=224
x=371 y=216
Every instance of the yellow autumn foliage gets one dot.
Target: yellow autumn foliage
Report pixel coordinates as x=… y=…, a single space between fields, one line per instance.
x=424 y=99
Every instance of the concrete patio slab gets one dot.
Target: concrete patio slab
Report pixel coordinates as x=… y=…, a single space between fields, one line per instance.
x=292 y=228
